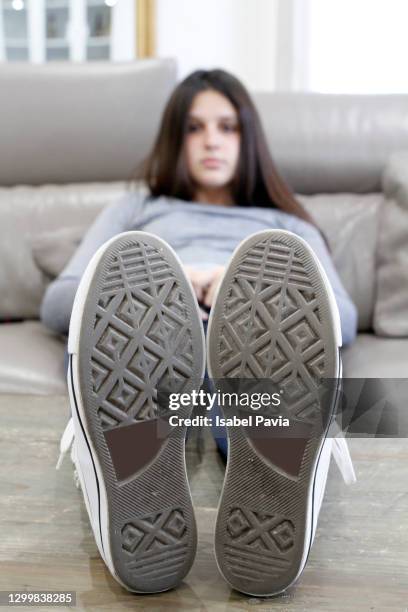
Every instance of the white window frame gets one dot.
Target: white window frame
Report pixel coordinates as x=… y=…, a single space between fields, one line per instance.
x=122 y=38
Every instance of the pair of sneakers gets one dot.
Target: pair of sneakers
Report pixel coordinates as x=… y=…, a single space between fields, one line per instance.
x=136 y=327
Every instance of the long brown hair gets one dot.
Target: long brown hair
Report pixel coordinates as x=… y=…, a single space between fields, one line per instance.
x=257 y=181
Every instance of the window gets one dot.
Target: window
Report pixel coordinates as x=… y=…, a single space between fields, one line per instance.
x=67 y=30
x=357 y=46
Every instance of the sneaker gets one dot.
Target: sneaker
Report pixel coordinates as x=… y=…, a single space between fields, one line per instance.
x=135 y=328
x=275 y=317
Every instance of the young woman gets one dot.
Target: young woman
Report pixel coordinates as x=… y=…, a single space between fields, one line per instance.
x=212 y=190
x=211 y=183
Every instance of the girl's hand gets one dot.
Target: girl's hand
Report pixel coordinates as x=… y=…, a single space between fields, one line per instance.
x=204 y=284
x=217 y=274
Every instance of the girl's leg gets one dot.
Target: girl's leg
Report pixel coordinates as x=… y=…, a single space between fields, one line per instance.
x=219 y=433
x=66 y=359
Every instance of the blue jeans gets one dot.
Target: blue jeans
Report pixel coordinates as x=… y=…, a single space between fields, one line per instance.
x=219 y=433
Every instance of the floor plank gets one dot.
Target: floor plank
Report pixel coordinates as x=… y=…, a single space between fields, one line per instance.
x=359 y=560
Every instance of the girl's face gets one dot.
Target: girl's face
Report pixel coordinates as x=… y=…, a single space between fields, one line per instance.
x=212 y=143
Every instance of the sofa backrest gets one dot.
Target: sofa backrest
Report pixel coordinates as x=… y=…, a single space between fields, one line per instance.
x=94 y=121
x=333 y=143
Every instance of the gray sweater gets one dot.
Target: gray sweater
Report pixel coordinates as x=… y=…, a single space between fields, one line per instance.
x=203 y=235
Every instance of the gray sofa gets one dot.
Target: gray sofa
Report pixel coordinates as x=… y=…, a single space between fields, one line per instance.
x=72 y=136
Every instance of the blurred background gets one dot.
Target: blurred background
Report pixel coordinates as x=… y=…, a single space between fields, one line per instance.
x=329 y=46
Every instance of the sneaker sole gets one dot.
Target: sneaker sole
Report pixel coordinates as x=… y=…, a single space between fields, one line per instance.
x=137 y=327
x=274 y=317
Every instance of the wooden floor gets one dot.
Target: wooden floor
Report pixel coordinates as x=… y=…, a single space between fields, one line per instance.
x=359 y=560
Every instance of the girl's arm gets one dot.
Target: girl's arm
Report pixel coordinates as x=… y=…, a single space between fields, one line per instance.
x=59 y=297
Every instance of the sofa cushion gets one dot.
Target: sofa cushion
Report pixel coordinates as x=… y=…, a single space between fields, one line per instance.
x=52 y=250
x=373 y=357
x=31 y=359
x=391 y=307
x=27 y=213
x=41 y=227
x=350 y=224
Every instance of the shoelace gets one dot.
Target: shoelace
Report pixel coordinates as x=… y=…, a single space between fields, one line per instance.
x=340 y=451
x=66 y=443
x=341 y=455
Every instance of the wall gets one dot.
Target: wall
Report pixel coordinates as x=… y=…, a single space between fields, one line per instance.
x=237 y=35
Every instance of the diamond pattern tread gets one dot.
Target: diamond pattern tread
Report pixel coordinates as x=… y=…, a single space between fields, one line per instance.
x=140 y=331
x=272 y=319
